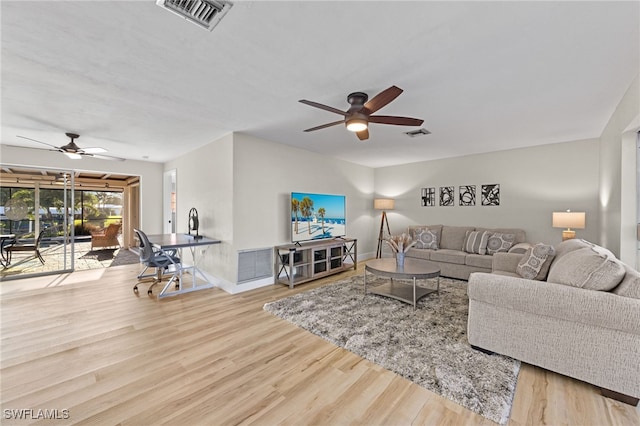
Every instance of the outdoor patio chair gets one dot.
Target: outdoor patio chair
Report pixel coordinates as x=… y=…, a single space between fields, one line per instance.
x=107 y=237
x=163 y=262
x=25 y=247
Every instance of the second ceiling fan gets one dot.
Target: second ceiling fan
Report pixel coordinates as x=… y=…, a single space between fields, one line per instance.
x=359 y=115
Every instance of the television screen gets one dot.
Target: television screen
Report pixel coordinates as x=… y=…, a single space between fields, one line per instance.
x=316 y=216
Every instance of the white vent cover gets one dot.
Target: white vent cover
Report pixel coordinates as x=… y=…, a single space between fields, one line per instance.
x=205 y=13
x=254 y=264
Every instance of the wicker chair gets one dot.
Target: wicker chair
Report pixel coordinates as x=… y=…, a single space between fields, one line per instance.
x=107 y=237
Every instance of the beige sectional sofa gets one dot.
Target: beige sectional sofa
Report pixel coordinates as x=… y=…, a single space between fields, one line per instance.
x=582 y=322
x=447 y=247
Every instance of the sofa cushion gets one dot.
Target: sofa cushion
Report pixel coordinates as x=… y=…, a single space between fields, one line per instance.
x=419 y=253
x=630 y=284
x=536 y=262
x=453 y=236
x=587 y=268
x=450 y=256
x=427 y=238
x=475 y=242
x=568 y=246
x=479 y=261
x=499 y=242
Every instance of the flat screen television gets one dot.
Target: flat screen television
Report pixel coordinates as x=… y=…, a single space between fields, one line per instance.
x=317 y=216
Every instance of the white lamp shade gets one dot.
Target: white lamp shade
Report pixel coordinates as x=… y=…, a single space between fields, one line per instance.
x=383 y=204
x=569 y=220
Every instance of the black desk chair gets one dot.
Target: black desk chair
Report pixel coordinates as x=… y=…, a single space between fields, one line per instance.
x=158 y=259
x=25 y=247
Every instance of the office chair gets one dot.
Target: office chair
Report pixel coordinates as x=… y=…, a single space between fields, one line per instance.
x=158 y=259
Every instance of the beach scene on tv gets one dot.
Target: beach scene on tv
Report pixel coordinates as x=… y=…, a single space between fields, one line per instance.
x=317 y=216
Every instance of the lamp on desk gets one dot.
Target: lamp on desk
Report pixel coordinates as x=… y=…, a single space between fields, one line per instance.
x=569 y=220
x=383 y=204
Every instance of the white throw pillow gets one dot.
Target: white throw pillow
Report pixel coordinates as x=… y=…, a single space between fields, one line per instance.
x=426 y=239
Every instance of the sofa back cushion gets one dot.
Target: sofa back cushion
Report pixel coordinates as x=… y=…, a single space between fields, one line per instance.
x=630 y=284
x=591 y=268
x=452 y=237
x=568 y=246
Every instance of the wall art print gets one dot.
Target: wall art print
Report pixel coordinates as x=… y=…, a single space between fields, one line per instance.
x=428 y=197
x=447 y=196
x=491 y=195
x=467 y=195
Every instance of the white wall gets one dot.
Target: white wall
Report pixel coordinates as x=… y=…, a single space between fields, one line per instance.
x=611 y=152
x=204 y=180
x=265 y=174
x=241 y=187
x=150 y=176
x=534 y=182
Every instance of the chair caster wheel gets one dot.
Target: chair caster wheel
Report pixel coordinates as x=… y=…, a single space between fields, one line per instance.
x=135 y=289
x=149 y=292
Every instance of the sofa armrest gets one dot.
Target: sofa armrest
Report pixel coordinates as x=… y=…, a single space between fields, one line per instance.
x=597 y=308
x=506 y=262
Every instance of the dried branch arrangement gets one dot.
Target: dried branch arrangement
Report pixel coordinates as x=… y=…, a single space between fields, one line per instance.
x=400 y=243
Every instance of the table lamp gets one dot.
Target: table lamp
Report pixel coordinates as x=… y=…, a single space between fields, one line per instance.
x=383 y=204
x=569 y=220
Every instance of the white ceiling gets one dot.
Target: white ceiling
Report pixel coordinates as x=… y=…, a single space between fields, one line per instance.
x=485 y=76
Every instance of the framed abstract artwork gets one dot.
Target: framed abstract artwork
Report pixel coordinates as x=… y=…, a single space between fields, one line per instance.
x=467 y=195
x=447 y=196
x=491 y=195
x=428 y=197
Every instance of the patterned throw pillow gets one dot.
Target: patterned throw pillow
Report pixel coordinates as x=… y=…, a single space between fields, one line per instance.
x=426 y=239
x=476 y=242
x=499 y=242
x=536 y=261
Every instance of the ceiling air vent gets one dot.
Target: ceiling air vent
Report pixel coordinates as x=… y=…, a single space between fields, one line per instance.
x=205 y=13
x=414 y=133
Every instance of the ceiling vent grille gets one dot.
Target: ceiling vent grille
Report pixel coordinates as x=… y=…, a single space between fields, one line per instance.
x=414 y=133
x=204 y=13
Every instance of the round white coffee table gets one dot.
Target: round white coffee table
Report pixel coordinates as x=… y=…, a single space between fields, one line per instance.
x=413 y=269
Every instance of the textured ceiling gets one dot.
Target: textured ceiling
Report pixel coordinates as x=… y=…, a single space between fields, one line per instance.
x=143 y=83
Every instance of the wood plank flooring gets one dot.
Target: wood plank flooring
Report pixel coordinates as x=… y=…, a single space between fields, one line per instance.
x=87 y=344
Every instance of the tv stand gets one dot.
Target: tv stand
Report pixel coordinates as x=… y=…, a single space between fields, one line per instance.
x=298 y=263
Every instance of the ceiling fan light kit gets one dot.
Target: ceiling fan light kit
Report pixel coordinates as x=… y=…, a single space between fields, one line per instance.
x=359 y=115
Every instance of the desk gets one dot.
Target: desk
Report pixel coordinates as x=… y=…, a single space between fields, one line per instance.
x=179 y=241
x=3 y=239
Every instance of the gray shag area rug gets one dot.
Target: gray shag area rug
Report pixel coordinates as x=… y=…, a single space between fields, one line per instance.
x=428 y=346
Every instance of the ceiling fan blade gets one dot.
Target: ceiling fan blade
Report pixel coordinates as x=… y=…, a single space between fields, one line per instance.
x=44 y=143
x=382 y=99
x=363 y=135
x=324 y=126
x=321 y=106
x=96 y=150
x=104 y=157
x=398 y=121
x=72 y=155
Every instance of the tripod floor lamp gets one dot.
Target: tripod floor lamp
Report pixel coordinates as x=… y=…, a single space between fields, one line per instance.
x=383 y=204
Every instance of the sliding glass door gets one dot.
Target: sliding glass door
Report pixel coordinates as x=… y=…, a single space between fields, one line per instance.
x=36 y=223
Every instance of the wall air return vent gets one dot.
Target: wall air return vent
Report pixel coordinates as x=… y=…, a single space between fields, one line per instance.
x=205 y=13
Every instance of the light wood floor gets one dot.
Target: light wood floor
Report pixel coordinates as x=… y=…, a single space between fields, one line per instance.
x=90 y=346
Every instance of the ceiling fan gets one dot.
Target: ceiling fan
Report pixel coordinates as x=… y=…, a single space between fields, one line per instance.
x=358 y=116
x=73 y=151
